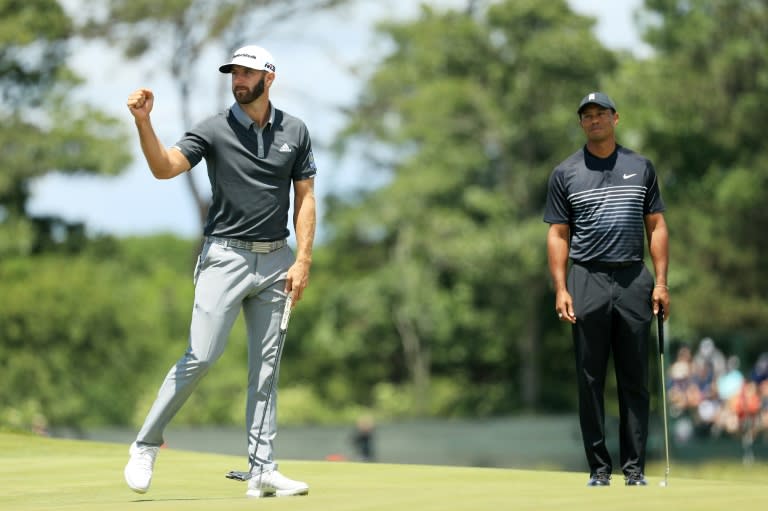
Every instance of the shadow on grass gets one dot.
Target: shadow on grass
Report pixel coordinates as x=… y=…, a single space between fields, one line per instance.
x=179 y=499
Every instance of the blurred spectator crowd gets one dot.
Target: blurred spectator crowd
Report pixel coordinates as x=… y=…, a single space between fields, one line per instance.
x=709 y=395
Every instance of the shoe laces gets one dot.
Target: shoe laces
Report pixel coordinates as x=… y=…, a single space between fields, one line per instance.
x=145 y=457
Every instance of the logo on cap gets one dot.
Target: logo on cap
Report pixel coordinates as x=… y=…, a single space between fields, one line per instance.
x=592 y=96
x=254 y=57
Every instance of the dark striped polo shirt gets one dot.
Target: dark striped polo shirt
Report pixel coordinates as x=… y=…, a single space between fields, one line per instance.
x=604 y=202
x=250 y=171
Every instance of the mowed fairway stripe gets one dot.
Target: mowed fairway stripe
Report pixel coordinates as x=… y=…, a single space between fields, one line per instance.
x=49 y=474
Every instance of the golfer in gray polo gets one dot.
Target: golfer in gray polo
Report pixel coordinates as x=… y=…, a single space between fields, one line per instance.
x=254 y=152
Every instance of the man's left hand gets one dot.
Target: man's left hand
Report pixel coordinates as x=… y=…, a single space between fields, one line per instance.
x=297 y=279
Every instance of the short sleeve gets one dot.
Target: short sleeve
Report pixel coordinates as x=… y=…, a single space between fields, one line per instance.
x=653 y=201
x=557 y=209
x=196 y=143
x=304 y=166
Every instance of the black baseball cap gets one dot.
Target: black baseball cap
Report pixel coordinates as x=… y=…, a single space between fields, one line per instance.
x=597 y=98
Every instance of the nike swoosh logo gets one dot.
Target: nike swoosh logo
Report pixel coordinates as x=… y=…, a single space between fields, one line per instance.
x=627 y=176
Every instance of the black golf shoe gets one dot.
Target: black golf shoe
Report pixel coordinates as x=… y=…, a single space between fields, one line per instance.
x=599 y=479
x=635 y=479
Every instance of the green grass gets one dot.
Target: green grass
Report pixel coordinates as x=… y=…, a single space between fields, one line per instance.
x=40 y=473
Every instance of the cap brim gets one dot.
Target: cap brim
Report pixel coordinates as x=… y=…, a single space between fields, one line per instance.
x=598 y=103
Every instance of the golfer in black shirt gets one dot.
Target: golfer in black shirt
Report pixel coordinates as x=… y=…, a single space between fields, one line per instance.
x=603 y=202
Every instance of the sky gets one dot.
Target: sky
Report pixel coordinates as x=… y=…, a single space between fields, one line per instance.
x=318 y=73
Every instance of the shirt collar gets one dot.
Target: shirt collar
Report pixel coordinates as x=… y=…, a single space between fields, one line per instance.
x=246 y=121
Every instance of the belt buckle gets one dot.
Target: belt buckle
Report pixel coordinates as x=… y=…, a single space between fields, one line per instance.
x=263 y=247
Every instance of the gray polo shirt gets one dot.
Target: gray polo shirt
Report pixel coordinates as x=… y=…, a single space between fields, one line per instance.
x=604 y=201
x=250 y=171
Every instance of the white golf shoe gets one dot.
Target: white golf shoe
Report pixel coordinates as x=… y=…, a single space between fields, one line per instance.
x=138 y=471
x=272 y=483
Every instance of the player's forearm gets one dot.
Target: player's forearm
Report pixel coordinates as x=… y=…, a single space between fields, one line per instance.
x=305 y=221
x=658 y=246
x=557 y=258
x=155 y=153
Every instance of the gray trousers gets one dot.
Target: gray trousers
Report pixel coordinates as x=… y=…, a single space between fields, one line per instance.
x=226 y=280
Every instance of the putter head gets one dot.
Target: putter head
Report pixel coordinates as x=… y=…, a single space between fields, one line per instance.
x=238 y=475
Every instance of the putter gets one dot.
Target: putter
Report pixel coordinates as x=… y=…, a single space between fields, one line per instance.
x=660 y=322
x=238 y=475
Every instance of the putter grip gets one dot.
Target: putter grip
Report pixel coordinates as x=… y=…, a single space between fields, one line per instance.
x=660 y=320
x=286 y=314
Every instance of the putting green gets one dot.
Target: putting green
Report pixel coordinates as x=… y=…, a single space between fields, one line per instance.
x=48 y=474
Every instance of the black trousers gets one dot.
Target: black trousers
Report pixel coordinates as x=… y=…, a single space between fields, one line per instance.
x=614 y=312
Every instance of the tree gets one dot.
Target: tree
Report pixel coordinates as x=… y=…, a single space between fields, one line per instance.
x=85 y=335
x=468 y=115
x=42 y=129
x=698 y=123
x=177 y=33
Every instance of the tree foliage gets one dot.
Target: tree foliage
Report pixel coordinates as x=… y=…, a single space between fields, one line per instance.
x=696 y=116
x=80 y=333
x=179 y=32
x=463 y=110
x=42 y=130
x=430 y=294
x=444 y=270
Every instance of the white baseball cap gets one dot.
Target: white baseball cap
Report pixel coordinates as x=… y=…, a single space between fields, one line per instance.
x=254 y=57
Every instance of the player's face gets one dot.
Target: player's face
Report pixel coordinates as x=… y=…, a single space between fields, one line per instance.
x=247 y=84
x=598 y=122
